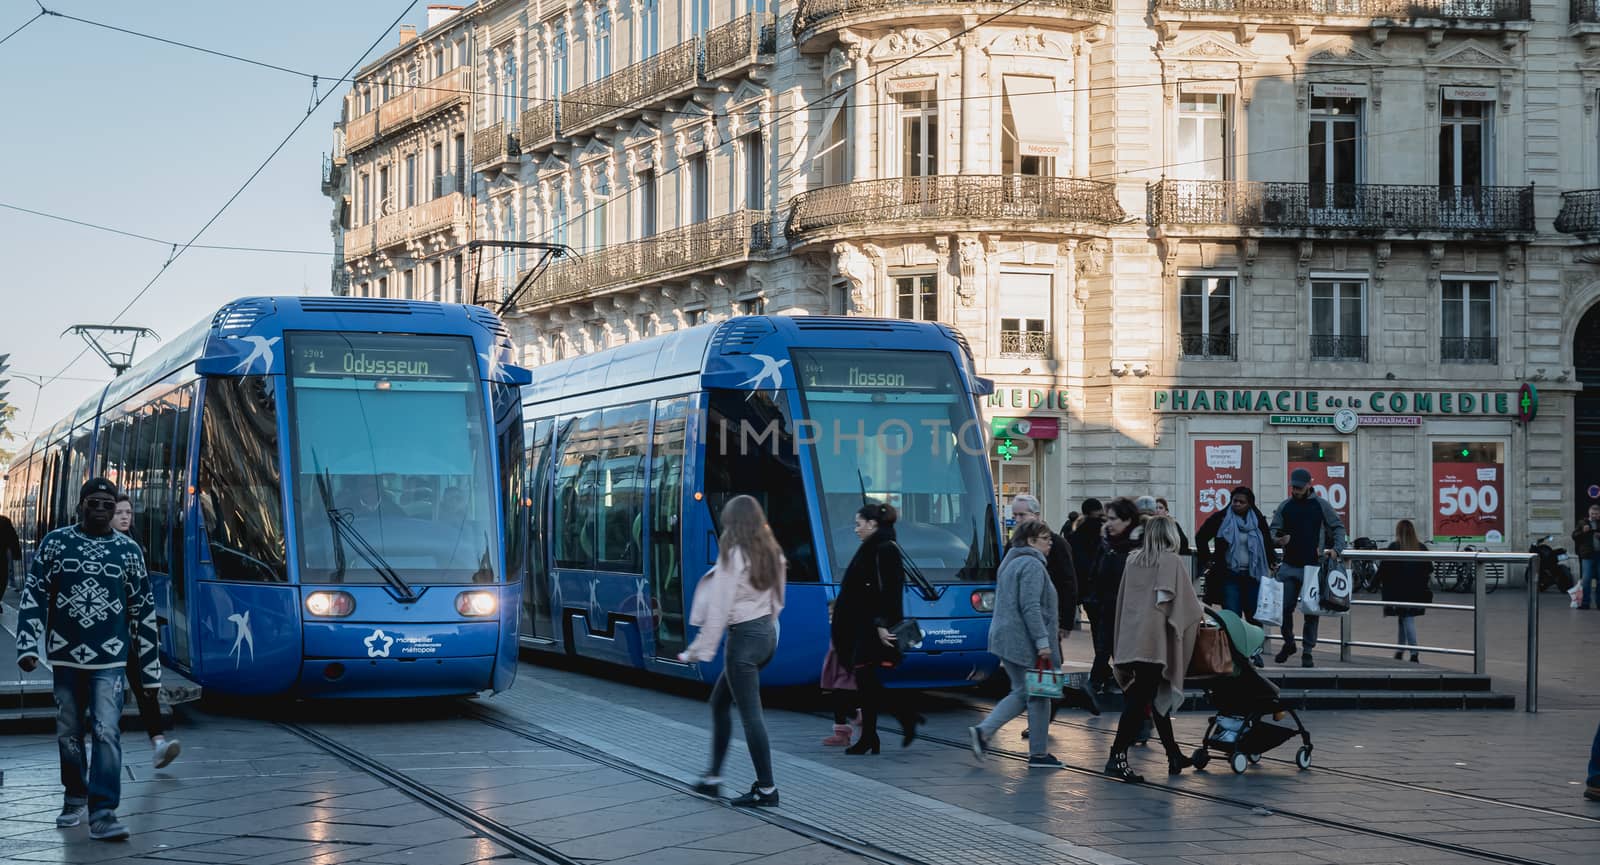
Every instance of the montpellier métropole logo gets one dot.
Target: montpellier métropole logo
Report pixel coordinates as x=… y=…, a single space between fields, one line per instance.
x=378 y=644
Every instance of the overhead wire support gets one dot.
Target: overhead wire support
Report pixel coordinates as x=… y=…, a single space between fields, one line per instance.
x=118 y=359
x=549 y=253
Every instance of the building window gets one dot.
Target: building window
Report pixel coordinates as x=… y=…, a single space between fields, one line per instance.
x=755 y=172
x=1205 y=317
x=699 y=189
x=383 y=286
x=919 y=134
x=1203 y=136
x=647 y=204
x=602 y=43
x=1467 y=331
x=1464 y=143
x=409 y=280
x=366 y=198
x=366 y=100
x=833 y=145
x=699 y=16
x=917 y=296
x=436 y=281
x=597 y=337
x=693 y=317
x=1338 y=320
x=1335 y=145
x=510 y=104
x=753 y=306
x=558 y=218
x=385 y=205
x=1025 y=314
x=461 y=163
x=557 y=79
x=597 y=211
x=649 y=29
x=438 y=170
x=555 y=346
x=411 y=180
x=1032 y=130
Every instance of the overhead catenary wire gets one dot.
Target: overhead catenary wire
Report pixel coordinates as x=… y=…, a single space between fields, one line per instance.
x=170 y=243
x=24 y=26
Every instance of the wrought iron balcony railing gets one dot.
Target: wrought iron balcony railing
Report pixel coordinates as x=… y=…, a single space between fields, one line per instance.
x=955 y=196
x=1346 y=206
x=494 y=143
x=1327 y=346
x=1580 y=212
x=812 y=13
x=1024 y=343
x=716 y=242
x=448 y=89
x=538 y=126
x=360 y=131
x=1586 y=11
x=633 y=88
x=1471 y=349
x=1206 y=346
x=737 y=44
x=1398 y=10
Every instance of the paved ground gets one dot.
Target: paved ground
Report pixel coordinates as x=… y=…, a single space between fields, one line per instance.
x=592 y=767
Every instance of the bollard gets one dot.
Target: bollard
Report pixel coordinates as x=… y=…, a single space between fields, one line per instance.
x=1480 y=657
x=1530 y=700
x=1344 y=636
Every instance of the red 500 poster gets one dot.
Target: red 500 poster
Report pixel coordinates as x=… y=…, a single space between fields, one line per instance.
x=1469 y=502
x=1219 y=466
x=1332 y=483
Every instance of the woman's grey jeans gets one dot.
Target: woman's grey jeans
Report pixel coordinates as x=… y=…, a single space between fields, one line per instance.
x=749 y=647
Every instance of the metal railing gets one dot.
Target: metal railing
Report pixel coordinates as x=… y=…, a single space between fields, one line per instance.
x=1472 y=10
x=735 y=45
x=811 y=13
x=955 y=196
x=1206 y=346
x=632 y=88
x=1025 y=343
x=538 y=126
x=493 y=143
x=1469 y=349
x=1327 y=346
x=360 y=131
x=1374 y=207
x=1580 y=209
x=1585 y=11
x=1476 y=560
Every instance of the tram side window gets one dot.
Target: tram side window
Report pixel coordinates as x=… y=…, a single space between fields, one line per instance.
x=577 y=472
x=158 y=486
x=619 y=492
x=240 y=487
x=536 y=606
x=666 y=523
x=508 y=429
x=751 y=450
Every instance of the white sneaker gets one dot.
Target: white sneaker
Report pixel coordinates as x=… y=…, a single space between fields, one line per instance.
x=166 y=752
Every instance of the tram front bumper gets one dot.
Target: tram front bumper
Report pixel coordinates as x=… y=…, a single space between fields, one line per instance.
x=396 y=677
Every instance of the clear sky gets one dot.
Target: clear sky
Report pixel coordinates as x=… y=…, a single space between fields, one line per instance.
x=112 y=129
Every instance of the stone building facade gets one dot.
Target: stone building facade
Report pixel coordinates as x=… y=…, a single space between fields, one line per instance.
x=1193 y=242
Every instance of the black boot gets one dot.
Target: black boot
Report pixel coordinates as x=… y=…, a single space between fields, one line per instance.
x=867 y=744
x=1176 y=764
x=1117 y=767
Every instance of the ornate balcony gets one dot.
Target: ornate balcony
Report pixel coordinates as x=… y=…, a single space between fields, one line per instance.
x=360 y=131
x=1024 y=343
x=814 y=17
x=736 y=45
x=1327 y=346
x=1206 y=346
x=1257 y=209
x=671 y=73
x=1508 y=17
x=359 y=241
x=393 y=229
x=935 y=203
x=718 y=242
x=494 y=144
x=397 y=111
x=1472 y=349
x=442 y=92
x=538 y=126
x=1580 y=212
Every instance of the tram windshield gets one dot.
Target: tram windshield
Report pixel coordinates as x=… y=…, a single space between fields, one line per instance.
x=897 y=426
x=391 y=448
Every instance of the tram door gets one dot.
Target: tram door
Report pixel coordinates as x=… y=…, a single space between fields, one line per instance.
x=538 y=619
x=1586 y=420
x=665 y=519
x=178 y=609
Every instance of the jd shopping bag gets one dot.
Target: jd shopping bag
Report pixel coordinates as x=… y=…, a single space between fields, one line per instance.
x=1335 y=585
x=1269 y=602
x=1311 y=593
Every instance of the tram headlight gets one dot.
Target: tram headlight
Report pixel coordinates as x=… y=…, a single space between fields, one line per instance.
x=477 y=603
x=331 y=604
x=983 y=600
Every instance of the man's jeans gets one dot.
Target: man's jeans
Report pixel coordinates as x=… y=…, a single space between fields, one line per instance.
x=89 y=706
x=1590 y=574
x=1292 y=577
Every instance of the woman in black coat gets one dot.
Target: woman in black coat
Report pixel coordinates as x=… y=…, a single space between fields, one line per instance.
x=1121 y=535
x=1224 y=587
x=870 y=603
x=1406 y=582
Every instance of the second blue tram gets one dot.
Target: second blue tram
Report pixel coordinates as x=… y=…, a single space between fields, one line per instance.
x=634 y=451
x=320 y=486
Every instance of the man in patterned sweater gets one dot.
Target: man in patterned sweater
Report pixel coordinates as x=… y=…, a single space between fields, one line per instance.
x=85 y=605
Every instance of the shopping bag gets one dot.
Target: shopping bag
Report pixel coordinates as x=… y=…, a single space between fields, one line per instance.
x=1269 y=602
x=1042 y=681
x=1334 y=584
x=1576 y=595
x=1212 y=656
x=836 y=676
x=1311 y=591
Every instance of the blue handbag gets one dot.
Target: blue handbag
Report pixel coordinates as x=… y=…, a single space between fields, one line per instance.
x=1042 y=681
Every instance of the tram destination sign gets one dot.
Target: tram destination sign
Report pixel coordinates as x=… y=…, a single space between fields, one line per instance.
x=1428 y=403
x=335 y=355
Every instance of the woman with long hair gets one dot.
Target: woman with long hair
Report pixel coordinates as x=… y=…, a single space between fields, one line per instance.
x=1406 y=582
x=1156 y=620
x=1119 y=538
x=870 y=603
x=742 y=597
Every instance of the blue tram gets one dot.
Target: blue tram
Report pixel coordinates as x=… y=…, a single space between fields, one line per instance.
x=319 y=485
x=634 y=450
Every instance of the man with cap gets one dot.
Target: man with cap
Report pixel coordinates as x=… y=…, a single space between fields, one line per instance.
x=1306 y=526
x=85 y=605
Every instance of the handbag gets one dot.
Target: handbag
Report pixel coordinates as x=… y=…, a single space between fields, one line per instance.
x=1335 y=587
x=1041 y=681
x=907 y=634
x=836 y=676
x=1212 y=656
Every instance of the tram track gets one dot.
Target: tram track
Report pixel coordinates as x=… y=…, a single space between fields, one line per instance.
x=520 y=843
x=1337 y=773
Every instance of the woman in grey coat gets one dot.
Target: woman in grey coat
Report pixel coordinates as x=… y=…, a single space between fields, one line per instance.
x=1023 y=633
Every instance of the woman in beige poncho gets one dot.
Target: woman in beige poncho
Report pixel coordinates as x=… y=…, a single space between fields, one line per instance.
x=1157 y=616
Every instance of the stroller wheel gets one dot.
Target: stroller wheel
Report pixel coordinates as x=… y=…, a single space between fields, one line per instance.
x=1302 y=757
x=1200 y=758
x=1239 y=762
x=1254 y=759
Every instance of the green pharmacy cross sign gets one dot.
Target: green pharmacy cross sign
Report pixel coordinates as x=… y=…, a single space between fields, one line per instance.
x=1006 y=448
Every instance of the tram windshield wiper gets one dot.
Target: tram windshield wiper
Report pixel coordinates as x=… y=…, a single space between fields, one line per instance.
x=342 y=526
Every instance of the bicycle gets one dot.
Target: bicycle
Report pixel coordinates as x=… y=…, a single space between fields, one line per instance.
x=1364 y=573
x=1453 y=576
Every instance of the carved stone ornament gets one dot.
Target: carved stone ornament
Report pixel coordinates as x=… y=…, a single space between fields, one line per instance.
x=1029 y=41
x=1091 y=258
x=1249 y=250
x=1380 y=259
x=1303 y=261
x=970 y=250
x=1435 y=261
x=836 y=63
x=900 y=43
x=854 y=266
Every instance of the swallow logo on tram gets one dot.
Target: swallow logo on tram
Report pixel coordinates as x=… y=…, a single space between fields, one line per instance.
x=378 y=644
x=242 y=636
x=771 y=368
x=261 y=349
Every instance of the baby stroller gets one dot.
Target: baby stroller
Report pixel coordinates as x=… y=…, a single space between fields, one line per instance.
x=1248 y=709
